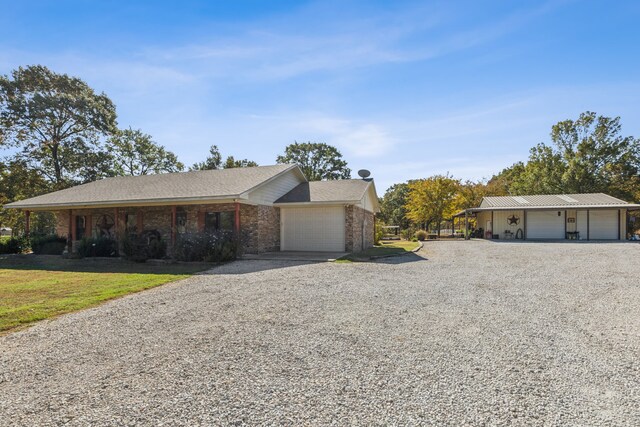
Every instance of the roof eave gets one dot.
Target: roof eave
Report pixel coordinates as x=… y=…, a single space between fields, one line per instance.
x=132 y=202
x=315 y=203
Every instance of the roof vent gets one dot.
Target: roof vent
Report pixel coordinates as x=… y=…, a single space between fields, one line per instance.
x=521 y=200
x=567 y=198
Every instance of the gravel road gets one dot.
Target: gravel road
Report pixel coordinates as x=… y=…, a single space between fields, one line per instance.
x=475 y=333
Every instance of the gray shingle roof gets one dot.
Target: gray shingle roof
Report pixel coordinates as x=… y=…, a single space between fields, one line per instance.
x=342 y=190
x=551 y=200
x=194 y=185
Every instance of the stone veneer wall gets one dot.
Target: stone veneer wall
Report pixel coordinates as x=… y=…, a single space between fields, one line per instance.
x=355 y=219
x=260 y=225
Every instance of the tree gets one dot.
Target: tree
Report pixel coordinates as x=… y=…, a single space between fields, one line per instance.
x=244 y=163
x=58 y=122
x=432 y=200
x=318 y=161
x=587 y=155
x=135 y=153
x=392 y=206
x=214 y=161
x=17 y=182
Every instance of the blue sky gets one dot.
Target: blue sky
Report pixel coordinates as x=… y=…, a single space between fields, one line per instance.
x=405 y=89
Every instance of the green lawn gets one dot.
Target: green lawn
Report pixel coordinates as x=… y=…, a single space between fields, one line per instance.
x=389 y=247
x=35 y=287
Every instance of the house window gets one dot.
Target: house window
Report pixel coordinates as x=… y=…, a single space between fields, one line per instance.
x=131 y=223
x=80 y=226
x=181 y=220
x=218 y=221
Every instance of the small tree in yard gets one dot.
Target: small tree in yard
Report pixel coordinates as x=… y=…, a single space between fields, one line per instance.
x=432 y=200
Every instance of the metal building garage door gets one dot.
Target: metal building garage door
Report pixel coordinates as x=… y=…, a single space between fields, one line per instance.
x=603 y=225
x=545 y=225
x=319 y=228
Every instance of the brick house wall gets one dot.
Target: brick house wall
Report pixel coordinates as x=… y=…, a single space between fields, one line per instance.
x=260 y=225
x=359 y=229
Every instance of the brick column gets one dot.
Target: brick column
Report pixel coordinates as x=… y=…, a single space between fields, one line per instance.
x=237 y=221
x=27 y=223
x=174 y=215
x=139 y=221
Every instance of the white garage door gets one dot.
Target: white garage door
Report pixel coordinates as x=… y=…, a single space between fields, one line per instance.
x=319 y=228
x=603 y=225
x=545 y=225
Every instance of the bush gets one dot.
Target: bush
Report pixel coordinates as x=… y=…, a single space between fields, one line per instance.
x=421 y=235
x=149 y=245
x=48 y=244
x=97 y=246
x=14 y=245
x=218 y=246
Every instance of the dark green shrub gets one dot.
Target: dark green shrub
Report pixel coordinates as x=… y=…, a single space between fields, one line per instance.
x=217 y=246
x=97 y=247
x=149 y=245
x=14 y=245
x=421 y=235
x=49 y=244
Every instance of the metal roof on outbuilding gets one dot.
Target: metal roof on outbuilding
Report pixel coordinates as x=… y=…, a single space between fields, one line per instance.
x=551 y=200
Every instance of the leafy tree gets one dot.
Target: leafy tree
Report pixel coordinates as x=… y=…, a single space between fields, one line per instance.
x=135 y=153
x=318 y=161
x=214 y=161
x=233 y=163
x=17 y=182
x=57 y=122
x=432 y=200
x=392 y=206
x=587 y=155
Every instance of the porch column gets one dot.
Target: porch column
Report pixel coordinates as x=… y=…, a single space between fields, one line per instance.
x=116 y=223
x=88 y=226
x=237 y=221
x=74 y=233
x=70 y=232
x=588 y=226
x=466 y=225
x=27 y=223
x=174 y=215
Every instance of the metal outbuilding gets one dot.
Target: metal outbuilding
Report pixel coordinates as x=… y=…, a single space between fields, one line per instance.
x=594 y=216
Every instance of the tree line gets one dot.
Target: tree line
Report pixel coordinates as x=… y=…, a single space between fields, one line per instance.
x=57 y=132
x=585 y=155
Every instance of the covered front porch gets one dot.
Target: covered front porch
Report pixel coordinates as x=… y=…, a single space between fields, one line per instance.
x=162 y=222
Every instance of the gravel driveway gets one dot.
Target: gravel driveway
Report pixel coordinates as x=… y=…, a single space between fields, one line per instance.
x=479 y=333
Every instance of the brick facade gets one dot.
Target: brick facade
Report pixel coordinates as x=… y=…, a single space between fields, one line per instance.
x=359 y=229
x=260 y=225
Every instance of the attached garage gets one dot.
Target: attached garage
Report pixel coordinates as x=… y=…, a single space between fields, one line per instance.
x=320 y=228
x=328 y=216
x=545 y=225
